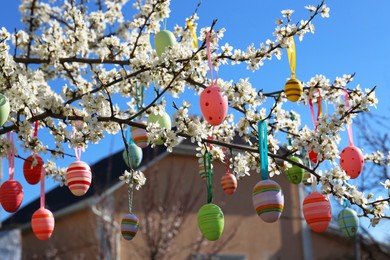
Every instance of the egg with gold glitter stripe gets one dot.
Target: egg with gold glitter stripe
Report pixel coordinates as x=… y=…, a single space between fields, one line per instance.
x=229 y=183
x=268 y=200
x=129 y=226
x=348 y=222
x=293 y=89
x=11 y=195
x=78 y=177
x=42 y=223
x=211 y=221
x=317 y=211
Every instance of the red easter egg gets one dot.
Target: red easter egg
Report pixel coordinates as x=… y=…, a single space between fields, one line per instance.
x=317 y=211
x=33 y=173
x=229 y=183
x=42 y=223
x=79 y=177
x=313 y=156
x=214 y=105
x=352 y=161
x=11 y=195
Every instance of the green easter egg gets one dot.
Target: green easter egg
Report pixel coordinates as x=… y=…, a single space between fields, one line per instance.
x=164 y=121
x=211 y=221
x=295 y=173
x=4 y=109
x=162 y=40
x=348 y=222
x=132 y=156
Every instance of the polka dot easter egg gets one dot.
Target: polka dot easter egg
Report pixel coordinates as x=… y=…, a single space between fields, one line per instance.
x=211 y=221
x=317 y=211
x=42 y=223
x=293 y=89
x=268 y=200
x=162 y=40
x=11 y=195
x=214 y=105
x=229 y=183
x=78 y=177
x=348 y=222
x=32 y=169
x=352 y=161
x=129 y=226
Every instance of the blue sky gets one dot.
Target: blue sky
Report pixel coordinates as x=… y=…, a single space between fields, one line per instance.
x=355 y=39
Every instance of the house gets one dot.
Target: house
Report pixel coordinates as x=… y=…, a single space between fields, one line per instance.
x=88 y=227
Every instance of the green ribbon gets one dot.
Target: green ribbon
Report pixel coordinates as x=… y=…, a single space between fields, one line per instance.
x=263 y=148
x=209 y=183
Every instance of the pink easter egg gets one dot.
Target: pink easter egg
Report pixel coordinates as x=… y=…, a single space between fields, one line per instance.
x=317 y=211
x=214 y=105
x=229 y=183
x=139 y=135
x=11 y=195
x=79 y=177
x=352 y=161
x=268 y=200
x=42 y=223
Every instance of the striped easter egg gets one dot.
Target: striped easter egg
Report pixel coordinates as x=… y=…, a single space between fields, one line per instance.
x=317 y=211
x=348 y=222
x=133 y=156
x=11 y=195
x=229 y=183
x=293 y=89
x=202 y=172
x=129 y=226
x=268 y=200
x=139 y=135
x=32 y=169
x=78 y=177
x=352 y=161
x=295 y=173
x=211 y=221
x=42 y=223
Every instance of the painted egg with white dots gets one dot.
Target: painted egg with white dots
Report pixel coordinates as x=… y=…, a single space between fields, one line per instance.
x=42 y=223
x=78 y=177
x=129 y=226
x=352 y=161
x=214 y=105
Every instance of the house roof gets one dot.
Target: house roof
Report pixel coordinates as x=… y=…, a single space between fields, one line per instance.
x=105 y=174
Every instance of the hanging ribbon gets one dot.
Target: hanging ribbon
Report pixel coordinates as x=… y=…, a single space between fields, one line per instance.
x=43 y=187
x=207 y=167
x=314 y=183
x=130 y=191
x=11 y=156
x=349 y=126
x=227 y=161
x=190 y=26
x=36 y=128
x=139 y=97
x=291 y=53
x=319 y=112
x=263 y=148
x=209 y=59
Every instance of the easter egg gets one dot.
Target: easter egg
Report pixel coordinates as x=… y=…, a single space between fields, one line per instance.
x=293 y=89
x=164 y=121
x=352 y=161
x=348 y=222
x=229 y=183
x=4 y=109
x=295 y=173
x=32 y=169
x=317 y=211
x=139 y=135
x=307 y=179
x=78 y=177
x=129 y=226
x=313 y=156
x=42 y=223
x=162 y=40
x=11 y=195
x=214 y=105
x=211 y=221
x=202 y=172
x=133 y=156
x=268 y=200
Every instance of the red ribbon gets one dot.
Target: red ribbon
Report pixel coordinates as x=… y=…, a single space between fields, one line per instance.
x=319 y=106
x=209 y=58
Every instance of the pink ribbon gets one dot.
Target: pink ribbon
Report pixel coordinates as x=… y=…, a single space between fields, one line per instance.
x=319 y=112
x=11 y=156
x=209 y=58
x=43 y=187
x=349 y=127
